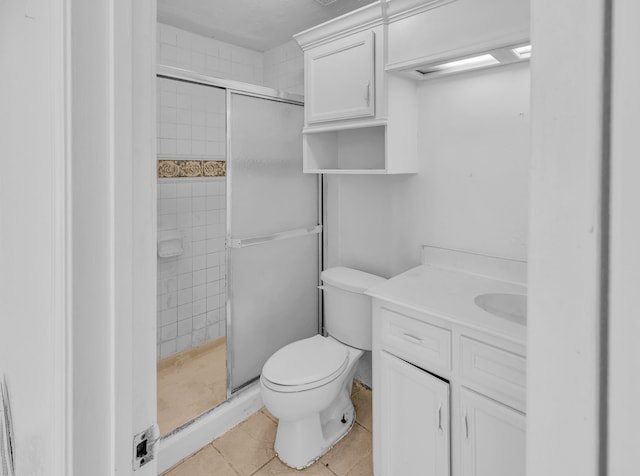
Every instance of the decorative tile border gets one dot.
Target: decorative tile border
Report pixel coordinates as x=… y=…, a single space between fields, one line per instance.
x=191 y=168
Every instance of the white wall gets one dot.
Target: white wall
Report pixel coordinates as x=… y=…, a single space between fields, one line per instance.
x=32 y=259
x=624 y=330
x=69 y=282
x=471 y=191
x=564 y=299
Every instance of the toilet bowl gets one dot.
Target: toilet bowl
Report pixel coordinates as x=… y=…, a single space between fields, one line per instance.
x=307 y=384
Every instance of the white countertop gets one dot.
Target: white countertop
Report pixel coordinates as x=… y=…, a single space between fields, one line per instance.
x=449 y=294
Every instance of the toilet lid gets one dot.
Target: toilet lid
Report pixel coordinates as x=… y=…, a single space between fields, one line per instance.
x=306 y=361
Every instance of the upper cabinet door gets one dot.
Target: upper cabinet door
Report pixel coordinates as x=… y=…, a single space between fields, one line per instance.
x=493 y=437
x=340 y=79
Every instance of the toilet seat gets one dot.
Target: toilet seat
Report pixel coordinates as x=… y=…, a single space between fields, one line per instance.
x=305 y=364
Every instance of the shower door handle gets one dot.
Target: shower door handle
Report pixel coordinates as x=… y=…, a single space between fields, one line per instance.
x=261 y=239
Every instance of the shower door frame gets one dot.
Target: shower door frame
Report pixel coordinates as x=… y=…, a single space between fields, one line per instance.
x=259 y=92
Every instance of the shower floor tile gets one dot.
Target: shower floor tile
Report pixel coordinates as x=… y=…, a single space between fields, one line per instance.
x=247 y=449
x=190 y=383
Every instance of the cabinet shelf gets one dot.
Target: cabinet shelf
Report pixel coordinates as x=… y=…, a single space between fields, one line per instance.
x=339 y=150
x=358 y=120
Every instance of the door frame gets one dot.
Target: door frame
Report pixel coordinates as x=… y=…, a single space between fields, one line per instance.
x=584 y=230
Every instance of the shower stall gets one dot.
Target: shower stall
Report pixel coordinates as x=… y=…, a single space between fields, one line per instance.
x=239 y=239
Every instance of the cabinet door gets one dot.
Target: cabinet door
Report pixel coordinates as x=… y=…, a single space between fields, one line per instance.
x=340 y=79
x=414 y=427
x=493 y=437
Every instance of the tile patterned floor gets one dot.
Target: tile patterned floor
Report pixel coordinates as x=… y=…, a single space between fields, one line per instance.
x=247 y=449
x=190 y=383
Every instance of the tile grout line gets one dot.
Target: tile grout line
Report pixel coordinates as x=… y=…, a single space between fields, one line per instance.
x=258 y=469
x=225 y=459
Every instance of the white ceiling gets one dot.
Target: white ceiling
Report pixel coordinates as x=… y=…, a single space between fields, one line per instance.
x=256 y=24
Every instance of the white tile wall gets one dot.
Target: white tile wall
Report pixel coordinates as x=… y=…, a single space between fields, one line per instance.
x=191 y=120
x=191 y=125
x=284 y=68
x=200 y=54
x=280 y=68
x=192 y=286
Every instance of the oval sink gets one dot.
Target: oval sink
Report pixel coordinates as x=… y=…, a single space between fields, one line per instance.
x=508 y=306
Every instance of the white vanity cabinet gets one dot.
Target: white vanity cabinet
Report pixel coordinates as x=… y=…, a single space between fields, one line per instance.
x=449 y=399
x=340 y=79
x=493 y=438
x=414 y=429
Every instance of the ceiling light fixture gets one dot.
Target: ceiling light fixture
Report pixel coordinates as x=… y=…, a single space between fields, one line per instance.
x=497 y=57
x=464 y=64
x=523 y=52
x=324 y=3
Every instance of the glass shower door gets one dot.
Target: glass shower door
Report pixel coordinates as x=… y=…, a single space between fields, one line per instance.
x=273 y=235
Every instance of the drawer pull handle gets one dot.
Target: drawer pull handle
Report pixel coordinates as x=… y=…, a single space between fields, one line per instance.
x=413 y=339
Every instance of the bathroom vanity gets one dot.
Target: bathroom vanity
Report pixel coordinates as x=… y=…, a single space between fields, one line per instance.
x=449 y=370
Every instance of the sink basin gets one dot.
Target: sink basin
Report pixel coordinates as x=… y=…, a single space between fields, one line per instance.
x=508 y=306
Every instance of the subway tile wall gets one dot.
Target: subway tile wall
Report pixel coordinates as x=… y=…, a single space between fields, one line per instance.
x=192 y=286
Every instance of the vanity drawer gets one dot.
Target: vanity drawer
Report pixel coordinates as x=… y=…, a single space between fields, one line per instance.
x=417 y=342
x=497 y=373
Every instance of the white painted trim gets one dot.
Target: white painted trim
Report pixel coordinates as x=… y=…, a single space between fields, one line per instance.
x=399 y=9
x=361 y=19
x=143 y=325
x=59 y=83
x=178 y=445
x=624 y=307
x=134 y=208
x=564 y=321
x=122 y=223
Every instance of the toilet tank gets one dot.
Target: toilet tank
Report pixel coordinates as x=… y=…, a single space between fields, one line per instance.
x=347 y=310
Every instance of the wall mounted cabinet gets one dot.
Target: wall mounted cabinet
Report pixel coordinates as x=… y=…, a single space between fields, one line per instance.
x=357 y=118
x=354 y=101
x=427 y=32
x=340 y=79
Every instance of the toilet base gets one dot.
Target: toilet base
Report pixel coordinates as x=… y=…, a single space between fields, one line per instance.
x=300 y=443
x=308 y=427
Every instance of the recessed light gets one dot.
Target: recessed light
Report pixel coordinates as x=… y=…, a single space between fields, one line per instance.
x=523 y=52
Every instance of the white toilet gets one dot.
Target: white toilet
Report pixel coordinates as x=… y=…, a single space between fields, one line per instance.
x=307 y=384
